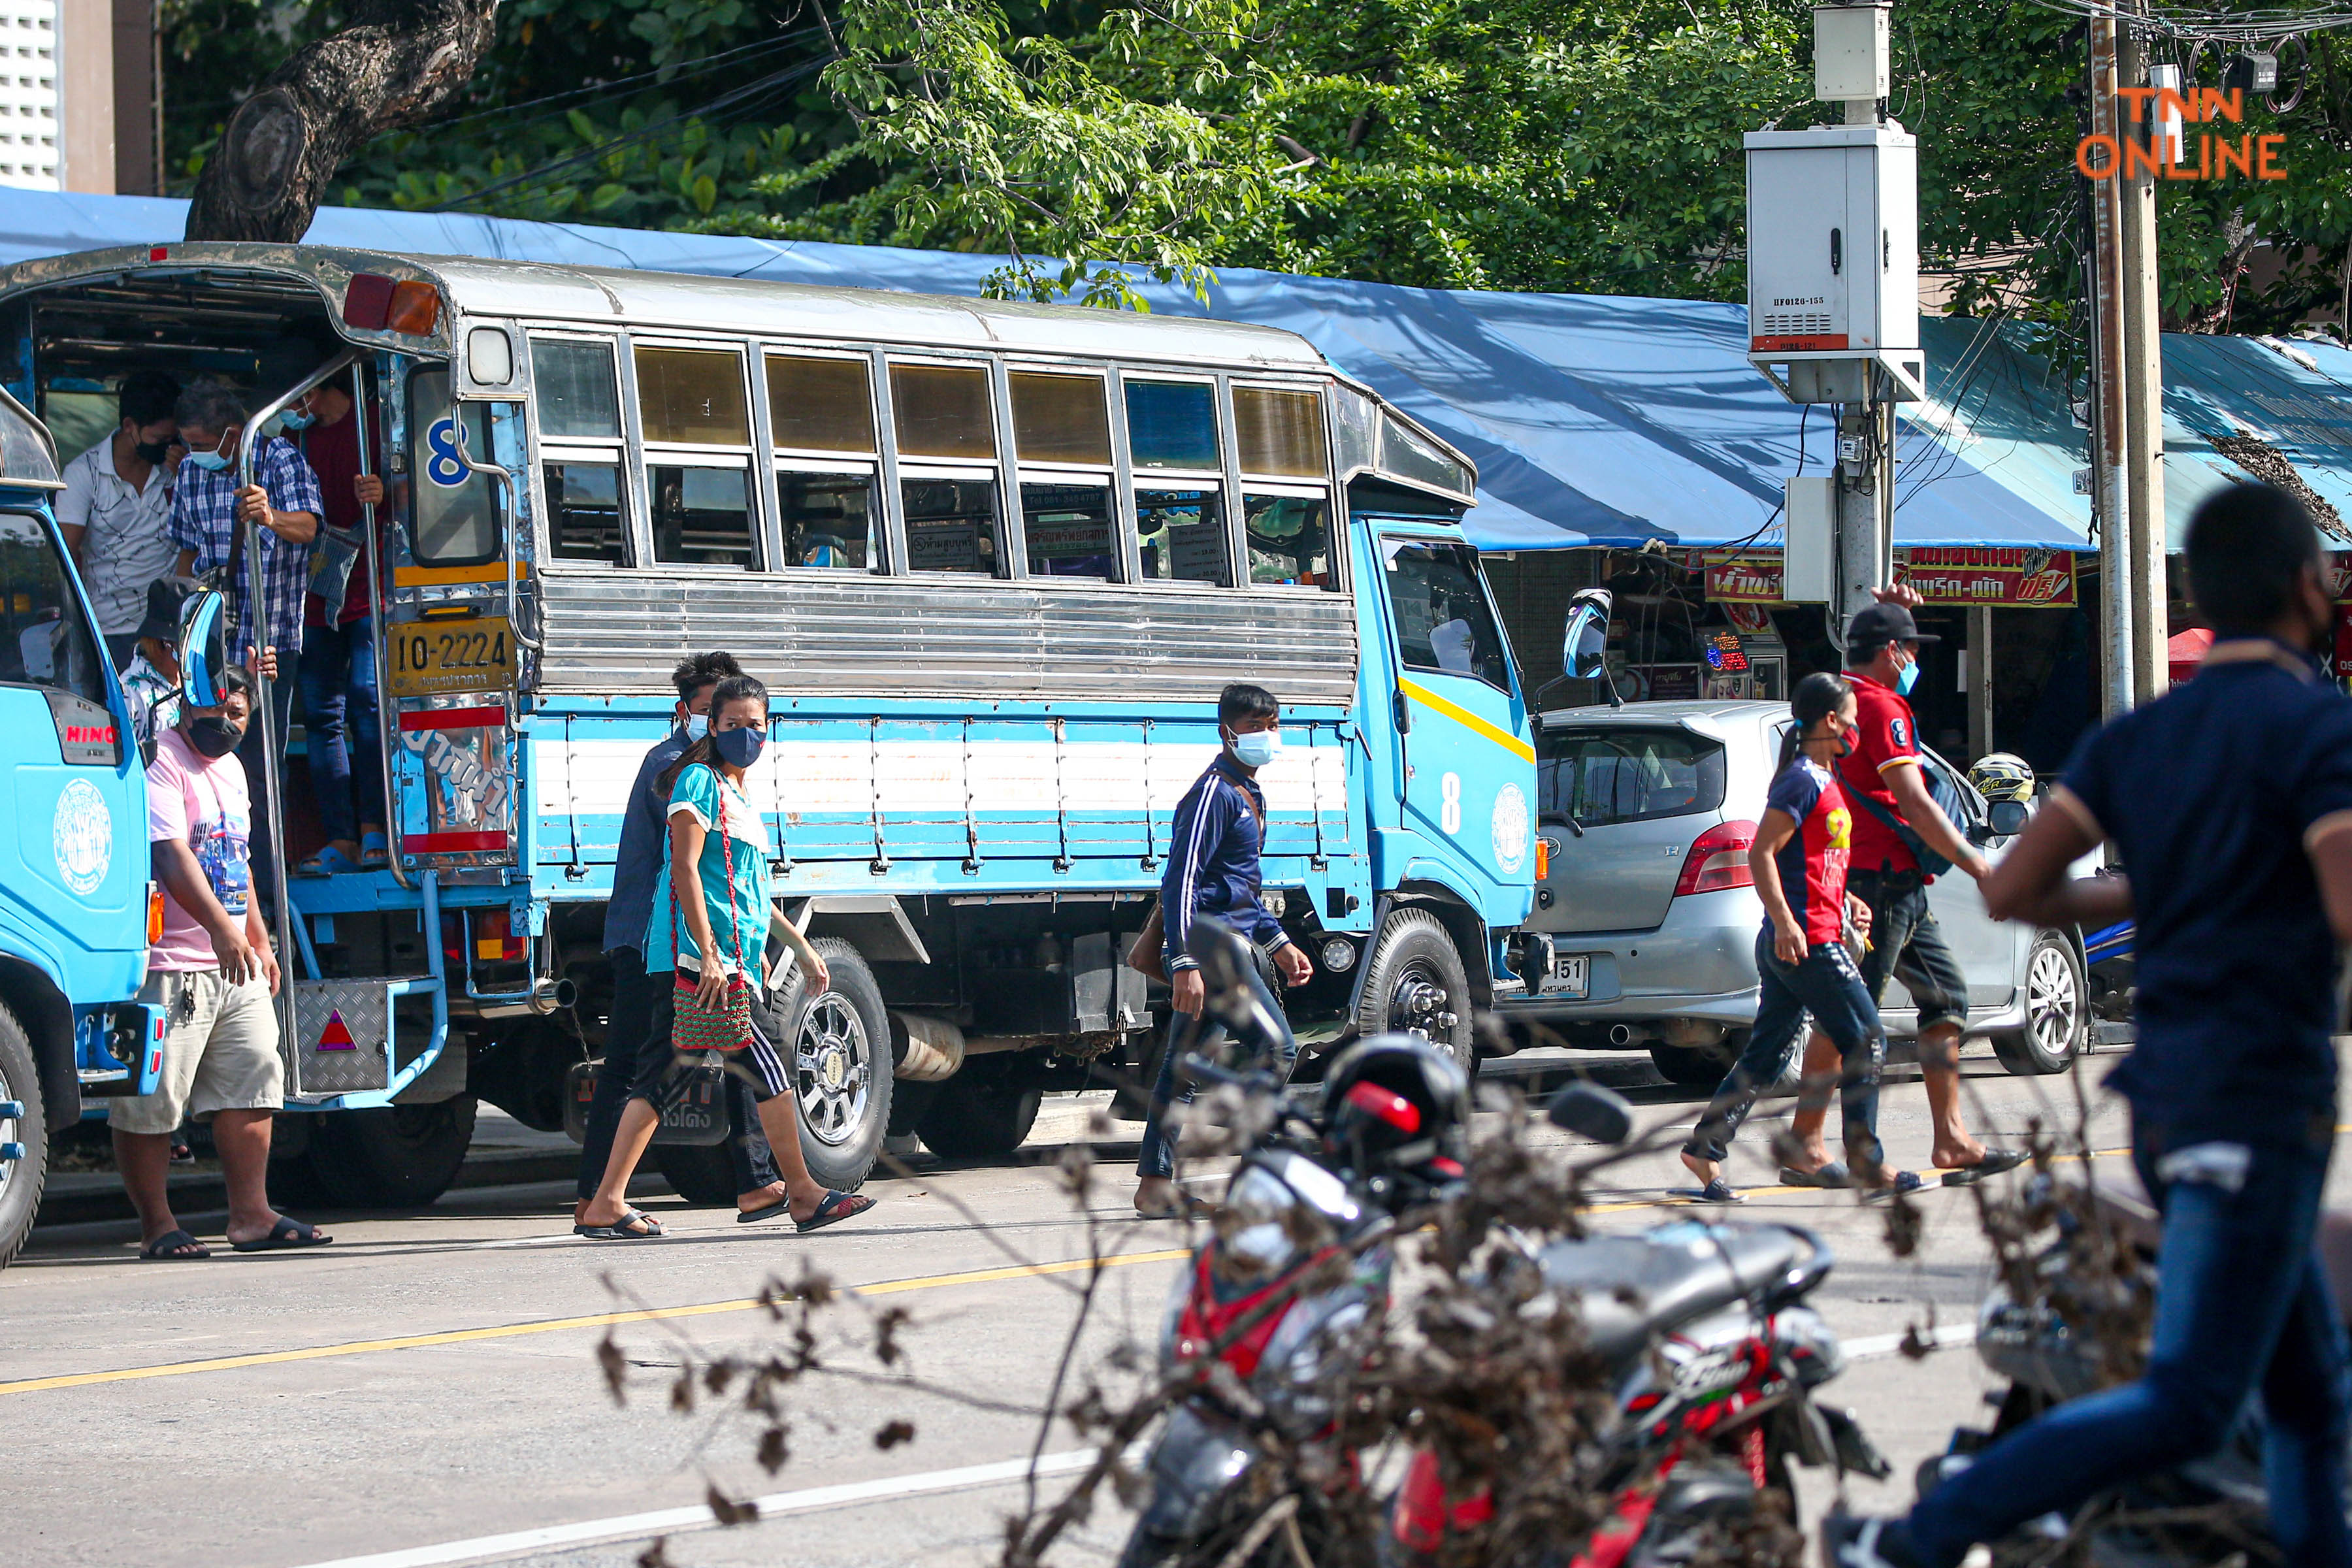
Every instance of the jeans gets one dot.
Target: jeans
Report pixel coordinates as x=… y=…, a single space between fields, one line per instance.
x=2241 y=1307
x=635 y=1059
x=339 y=718
x=1158 y=1158
x=1907 y=943
x=1828 y=984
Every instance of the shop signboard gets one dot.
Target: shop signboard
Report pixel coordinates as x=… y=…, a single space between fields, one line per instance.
x=2007 y=576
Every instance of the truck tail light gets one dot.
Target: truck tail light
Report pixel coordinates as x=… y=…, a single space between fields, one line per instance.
x=374 y=304
x=415 y=309
x=1718 y=860
x=154 y=914
x=494 y=938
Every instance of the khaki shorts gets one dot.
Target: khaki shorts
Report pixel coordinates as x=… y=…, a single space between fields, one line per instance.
x=220 y=1051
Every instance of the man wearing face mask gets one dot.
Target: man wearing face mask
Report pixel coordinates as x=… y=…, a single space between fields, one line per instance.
x=117 y=500
x=213 y=974
x=1212 y=869
x=635 y=1057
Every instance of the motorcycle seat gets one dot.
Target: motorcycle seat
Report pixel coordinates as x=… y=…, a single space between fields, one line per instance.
x=1632 y=1289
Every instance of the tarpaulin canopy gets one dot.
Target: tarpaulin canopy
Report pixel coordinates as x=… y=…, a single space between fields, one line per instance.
x=1593 y=419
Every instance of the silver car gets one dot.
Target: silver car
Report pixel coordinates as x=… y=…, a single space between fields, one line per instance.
x=1645 y=814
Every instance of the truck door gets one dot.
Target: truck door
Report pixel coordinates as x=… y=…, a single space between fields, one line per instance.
x=1462 y=727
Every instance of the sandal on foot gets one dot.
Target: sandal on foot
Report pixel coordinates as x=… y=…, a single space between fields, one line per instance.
x=1833 y=1173
x=835 y=1209
x=327 y=862
x=376 y=852
x=286 y=1236
x=172 y=1247
x=1183 y=1206
x=1717 y=1191
x=776 y=1210
x=632 y=1225
x=1904 y=1181
x=1994 y=1162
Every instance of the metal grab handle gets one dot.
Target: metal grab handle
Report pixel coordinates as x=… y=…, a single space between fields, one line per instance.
x=514 y=521
x=387 y=709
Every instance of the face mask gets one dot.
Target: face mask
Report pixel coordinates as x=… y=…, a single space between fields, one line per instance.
x=1908 y=677
x=697 y=726
x=297 y=419
x=214 y=461
x=738 y=748
x=150 y=451
x=213 y=735
x=1257 y=748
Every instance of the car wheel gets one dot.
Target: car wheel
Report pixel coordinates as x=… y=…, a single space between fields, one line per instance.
x=2056 y=1017
x=1414 y=985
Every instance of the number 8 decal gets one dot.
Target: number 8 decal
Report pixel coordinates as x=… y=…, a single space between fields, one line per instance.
x=1449 y=794
x=442 y=464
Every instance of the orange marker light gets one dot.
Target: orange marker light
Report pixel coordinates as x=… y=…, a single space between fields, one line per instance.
x=415 y=308
x=1543 y=859
x=154 y=914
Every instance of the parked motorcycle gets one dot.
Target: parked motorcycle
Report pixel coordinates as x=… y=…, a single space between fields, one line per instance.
x=1713 y=1361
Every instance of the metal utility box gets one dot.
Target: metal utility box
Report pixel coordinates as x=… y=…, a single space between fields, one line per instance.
x=1832 y=254
x=1850 y=51
x=1808 y=559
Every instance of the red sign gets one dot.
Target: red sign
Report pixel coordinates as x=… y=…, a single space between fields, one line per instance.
x=1742 y=579
x=2344 y=641
x=1946 y=575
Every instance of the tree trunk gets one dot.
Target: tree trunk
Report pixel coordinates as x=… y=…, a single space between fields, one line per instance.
x=396 y=62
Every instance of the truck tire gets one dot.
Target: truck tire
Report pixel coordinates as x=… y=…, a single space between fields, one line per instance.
x=21 y=1179
x=979 y=1118
x=1413 y=980
x=703 y=1175
x=403 y=1156
x=838 y=1044
x=1693 y=1067
x=2057 y=1011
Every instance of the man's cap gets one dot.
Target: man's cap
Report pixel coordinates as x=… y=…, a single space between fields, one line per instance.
x=1875 y=624
x=162 y=622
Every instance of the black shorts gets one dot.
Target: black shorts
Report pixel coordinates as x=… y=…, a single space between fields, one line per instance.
x=763 y=1065
x=1907 y=943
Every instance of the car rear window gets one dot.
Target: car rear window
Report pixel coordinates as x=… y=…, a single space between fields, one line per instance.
x=1600 y=776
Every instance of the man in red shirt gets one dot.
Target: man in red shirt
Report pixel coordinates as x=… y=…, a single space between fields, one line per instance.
x=1883 y=771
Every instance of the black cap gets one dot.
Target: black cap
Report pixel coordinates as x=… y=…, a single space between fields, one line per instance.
x=1875 y=624
x=164 y=600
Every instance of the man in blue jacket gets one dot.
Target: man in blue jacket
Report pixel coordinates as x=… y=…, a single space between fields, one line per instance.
x=1212 y=869
x=2231 y=801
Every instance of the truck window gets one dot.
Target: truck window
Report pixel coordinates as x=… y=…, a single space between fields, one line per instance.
x=45 y=639
x=1626 y=774
x=456 y=513
x=1438 y=606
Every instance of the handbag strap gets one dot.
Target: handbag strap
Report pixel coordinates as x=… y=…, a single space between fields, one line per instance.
x=727 y=855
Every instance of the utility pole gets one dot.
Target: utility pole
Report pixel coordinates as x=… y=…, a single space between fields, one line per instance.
x=2109 y=419
x=2143 y=378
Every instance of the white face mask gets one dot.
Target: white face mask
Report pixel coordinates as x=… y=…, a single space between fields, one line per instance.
x=697 y=726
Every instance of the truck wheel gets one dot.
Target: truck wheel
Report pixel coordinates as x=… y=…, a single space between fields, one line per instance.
x=403 y=1156
x=1693 y=1067
x=839 y=1045
x=2055 y=1015
x=703 y=1175
x=978 y=1119
x=1414 y=985
x=21 y=1178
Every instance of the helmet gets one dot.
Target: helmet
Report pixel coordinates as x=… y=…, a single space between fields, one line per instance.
x=2000 y=775
x=1397 y=1105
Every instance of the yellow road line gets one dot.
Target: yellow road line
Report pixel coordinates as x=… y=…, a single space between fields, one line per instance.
x=553 y=1325
x=1469 y=721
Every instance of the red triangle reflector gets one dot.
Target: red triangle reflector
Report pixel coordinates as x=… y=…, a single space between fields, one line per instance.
x=336 y=1036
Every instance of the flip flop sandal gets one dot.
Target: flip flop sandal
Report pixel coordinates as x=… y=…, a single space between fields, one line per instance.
x=1833 y=1174
x=1994 y=1162
x=1186 y=1206
x=634 y=1226
x=1717 y=1191
x=1905 y=1182
x=286 y=1236
x=376 y=852
x=165 y=1248
x=836 y=1208
x=776 y=1210
x=327 y=862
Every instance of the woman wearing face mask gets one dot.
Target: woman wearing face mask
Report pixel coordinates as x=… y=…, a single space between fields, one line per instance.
x=713 y=913
x=1212 y=868
x=1799 y=860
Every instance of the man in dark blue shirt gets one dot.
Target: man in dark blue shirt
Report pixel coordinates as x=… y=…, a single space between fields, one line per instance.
x=635 y=1061
x=2230 y=800
x=1212 y=869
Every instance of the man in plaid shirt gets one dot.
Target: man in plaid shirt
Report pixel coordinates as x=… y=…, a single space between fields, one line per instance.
x=283 y=507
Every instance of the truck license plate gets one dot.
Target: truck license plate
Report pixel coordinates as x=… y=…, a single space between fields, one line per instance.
x=431 y=658
x=1572 y=974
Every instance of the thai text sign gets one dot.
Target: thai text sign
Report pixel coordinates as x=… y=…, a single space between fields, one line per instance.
x=1954 y=574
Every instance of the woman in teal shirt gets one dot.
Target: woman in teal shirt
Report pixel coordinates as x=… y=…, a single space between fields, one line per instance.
x=714 y=899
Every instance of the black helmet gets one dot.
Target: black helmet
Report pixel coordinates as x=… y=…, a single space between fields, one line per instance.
x=1397 y=1105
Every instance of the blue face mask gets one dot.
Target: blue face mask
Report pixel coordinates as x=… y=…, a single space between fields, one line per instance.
x=697 y=726
x=1909 y=677
x=738 y=748
x=212 y=462
x=1257 y=748
x=297 y=419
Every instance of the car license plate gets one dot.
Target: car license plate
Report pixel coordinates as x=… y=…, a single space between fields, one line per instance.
x=1572 y=974
x=430 y=658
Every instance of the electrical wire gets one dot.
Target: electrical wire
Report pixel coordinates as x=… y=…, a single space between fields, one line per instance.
x=702 y=66
x=2181 y=21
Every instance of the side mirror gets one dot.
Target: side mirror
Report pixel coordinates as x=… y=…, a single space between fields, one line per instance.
x=203 y=648
x=2007 y=818
x=1600 y=1114
x=1584 y=649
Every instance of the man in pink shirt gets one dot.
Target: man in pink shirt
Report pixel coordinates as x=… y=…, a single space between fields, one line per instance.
x=213 y=974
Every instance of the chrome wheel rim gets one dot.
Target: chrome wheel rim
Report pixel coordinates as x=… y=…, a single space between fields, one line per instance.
x=2053 y=1002
x=833 y=1068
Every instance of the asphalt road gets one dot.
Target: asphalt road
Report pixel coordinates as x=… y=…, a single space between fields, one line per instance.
x=425 y=1391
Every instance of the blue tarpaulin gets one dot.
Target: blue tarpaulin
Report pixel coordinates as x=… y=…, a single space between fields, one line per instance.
x=1593 y=419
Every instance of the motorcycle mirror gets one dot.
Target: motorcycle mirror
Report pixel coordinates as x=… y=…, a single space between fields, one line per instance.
x=2006 y=818
x=204 y=650
x=1586 y=1109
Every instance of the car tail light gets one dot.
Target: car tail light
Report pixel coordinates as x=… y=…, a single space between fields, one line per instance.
x=1543 y=859
x=1718 y=860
